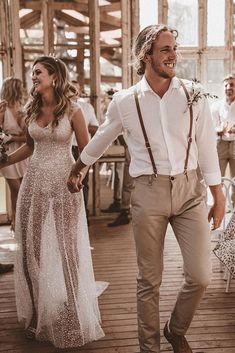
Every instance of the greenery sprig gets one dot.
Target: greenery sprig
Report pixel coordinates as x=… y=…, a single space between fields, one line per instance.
x=197 y=94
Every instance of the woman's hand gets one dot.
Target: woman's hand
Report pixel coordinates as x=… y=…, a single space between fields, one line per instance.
x=74 y=182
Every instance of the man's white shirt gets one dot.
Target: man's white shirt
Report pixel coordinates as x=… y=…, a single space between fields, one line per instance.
x=224 y=114
x=166 y=121
x=89 y=115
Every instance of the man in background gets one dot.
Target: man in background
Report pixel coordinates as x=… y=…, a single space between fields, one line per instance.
x=223 y=112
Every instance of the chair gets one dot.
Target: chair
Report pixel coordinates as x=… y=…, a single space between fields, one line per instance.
x=227 y=186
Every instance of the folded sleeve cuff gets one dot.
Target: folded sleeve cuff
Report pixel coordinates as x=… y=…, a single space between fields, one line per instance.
x=212 y=178
x=86 y=159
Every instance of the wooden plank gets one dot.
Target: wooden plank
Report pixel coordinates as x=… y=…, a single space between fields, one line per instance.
x=126 y=43
x=213 y=327
x=5 y=38
x=48 y=29
x=17 y=66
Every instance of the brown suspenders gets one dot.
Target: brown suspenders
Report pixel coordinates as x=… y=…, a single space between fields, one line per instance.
x=147 y=144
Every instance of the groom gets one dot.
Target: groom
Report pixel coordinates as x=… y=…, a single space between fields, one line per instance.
x=167 y=139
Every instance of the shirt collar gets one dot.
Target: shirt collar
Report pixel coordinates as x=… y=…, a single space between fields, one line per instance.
x=144 y=86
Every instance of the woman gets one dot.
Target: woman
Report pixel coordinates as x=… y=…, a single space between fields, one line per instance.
x=55 y=288
x=12 y=123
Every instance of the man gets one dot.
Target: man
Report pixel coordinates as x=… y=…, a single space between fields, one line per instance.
x=166 y=183
x=223 y=113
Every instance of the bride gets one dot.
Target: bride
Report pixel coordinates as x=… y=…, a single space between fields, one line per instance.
x=54 y=282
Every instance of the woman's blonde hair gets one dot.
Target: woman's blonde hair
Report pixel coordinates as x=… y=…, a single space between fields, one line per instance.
x=144 y=44
x=64 y=90
x=12 y=90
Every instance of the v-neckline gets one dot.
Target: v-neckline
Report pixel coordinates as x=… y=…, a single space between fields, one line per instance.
x=44 y=127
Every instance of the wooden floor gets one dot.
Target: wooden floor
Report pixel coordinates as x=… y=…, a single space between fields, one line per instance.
x=212 y=330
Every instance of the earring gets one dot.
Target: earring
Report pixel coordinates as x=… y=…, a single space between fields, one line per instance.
x=53 y=83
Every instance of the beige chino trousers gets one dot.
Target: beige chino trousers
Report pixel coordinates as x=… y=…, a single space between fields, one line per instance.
x=156 y=202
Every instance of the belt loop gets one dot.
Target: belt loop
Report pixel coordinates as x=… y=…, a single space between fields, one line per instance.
x=151 y=179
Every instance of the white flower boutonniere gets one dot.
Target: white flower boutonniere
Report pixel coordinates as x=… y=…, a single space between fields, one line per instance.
x=197 y=93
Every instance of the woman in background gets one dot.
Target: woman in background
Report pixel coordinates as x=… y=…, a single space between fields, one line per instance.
x=12 y=123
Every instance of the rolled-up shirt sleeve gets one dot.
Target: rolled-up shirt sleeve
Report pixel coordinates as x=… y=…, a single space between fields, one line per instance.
x=105 y=135
x=206 y=143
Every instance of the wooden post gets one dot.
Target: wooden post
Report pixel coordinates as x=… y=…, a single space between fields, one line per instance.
x=94 y=31
x=229 y=27
x=126 y=43
x=80 y=61
x=135 y=27
x=5 y=38
x=16 y=69
x=162 y=11
x=48 y=30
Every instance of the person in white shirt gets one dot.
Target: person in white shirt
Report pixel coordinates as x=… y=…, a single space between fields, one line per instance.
x=167 y=189
x=223 y=112
x=92 y=126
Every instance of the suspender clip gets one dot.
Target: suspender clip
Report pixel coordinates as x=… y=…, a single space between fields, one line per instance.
x=186 y=174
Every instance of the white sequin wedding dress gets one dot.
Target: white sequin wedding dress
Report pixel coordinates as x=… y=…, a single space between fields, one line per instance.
x=53 y=269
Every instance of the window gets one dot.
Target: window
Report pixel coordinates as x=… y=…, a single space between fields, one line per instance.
x=148 y=13
x=215 y=19
x=205 y=38
x=183 y=15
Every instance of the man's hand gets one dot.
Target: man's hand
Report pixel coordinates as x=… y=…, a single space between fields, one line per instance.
x=217 y=211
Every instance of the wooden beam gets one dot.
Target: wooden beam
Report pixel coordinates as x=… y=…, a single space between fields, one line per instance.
x=135 y=27
x=48 y=29
x=94 y=24
x=5 y=38
x=30 y=19
x=126 y=43
x=80 y=62
x=14 y=7
x=110 y=8
x=162 y=11
x=62 y=5
x=70 y=20
x=78 y=30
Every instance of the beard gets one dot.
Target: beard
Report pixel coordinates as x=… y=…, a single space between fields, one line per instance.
x=160 y=72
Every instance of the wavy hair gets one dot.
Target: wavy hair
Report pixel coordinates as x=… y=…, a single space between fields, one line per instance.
x=64 y=90
x=12 y=90
x=144 y=44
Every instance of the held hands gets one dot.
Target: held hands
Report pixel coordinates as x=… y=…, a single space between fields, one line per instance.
x=74 y=182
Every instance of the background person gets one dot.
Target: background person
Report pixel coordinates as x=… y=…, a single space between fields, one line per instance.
x=92 y=126
x=12 y=123
x=223 y=113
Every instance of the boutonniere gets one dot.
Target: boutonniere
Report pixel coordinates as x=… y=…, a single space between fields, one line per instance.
x=196 y=93
x=3 y=147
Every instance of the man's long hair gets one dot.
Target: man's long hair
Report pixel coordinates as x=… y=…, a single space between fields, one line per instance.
x=144 y=44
